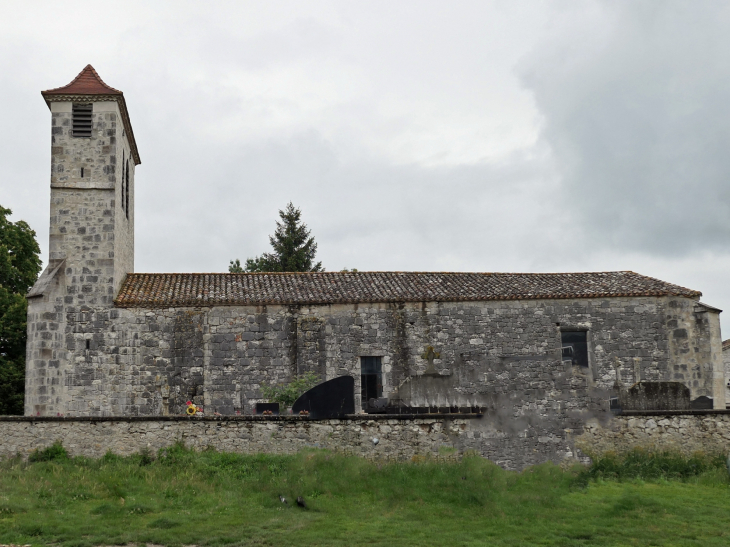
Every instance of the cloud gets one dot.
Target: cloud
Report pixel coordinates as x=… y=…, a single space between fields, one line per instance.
x=636 y=109
x=414 y=136
x=369 y=213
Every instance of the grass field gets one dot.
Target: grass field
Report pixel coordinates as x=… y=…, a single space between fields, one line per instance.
x=181 y=497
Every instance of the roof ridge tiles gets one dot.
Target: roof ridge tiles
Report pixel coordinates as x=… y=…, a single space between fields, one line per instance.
x=400 y=272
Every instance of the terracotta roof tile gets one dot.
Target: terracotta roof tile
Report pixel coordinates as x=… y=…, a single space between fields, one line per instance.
x=224 y=289
x=88 y=82
x=726 y=345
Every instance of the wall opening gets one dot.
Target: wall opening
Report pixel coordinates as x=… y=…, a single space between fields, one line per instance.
x=575 y=347
x=371 y=378
x=124 y=165
x=126 y=194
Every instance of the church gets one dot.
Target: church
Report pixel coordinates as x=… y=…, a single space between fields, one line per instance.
x=104 y=340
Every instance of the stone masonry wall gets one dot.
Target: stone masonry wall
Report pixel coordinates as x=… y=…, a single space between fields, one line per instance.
x=397 y=439
x=91 y=246
x=685 y=433
x=502 y=355
x=87 y=215
x=505 y=354
x=726 y=363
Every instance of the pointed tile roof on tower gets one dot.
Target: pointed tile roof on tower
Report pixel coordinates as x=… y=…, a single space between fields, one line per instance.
x=87 y=82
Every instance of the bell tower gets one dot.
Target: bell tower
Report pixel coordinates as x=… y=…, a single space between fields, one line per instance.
x=93 y=159
x=91 y=246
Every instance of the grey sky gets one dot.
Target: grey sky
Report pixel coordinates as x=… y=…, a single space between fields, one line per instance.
x=479 y=136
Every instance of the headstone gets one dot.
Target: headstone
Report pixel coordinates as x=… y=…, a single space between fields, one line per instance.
x=702 y=403
x=377 y=405
x=655 y=396
x=331 y=399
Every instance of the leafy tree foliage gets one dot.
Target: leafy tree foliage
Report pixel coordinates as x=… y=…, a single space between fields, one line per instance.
x=287 y=394
x=294 y=249
x=19 y=267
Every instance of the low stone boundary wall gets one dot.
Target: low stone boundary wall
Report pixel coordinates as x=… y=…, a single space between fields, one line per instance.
x=686 y=432
x=395 y=438
x=376 y=436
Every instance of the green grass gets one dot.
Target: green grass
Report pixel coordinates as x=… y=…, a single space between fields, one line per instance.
x=180 y=497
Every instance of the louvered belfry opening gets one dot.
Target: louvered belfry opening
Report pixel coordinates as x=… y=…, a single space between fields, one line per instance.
x=82 y=120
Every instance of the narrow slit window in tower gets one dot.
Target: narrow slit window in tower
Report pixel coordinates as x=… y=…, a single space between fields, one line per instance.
x=82 y=172
x=126 y=192
x=123 y=172
x=81 y=117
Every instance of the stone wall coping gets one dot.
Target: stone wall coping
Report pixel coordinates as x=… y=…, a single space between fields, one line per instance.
x=257 y=418
x=708 y=412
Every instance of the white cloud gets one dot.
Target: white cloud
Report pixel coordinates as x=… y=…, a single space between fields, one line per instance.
x=637 y=116
x=478 y=136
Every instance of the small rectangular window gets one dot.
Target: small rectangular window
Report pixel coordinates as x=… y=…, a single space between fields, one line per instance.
x=82 y=172
x=82 y=120
x=575 y=347
x=371 y=376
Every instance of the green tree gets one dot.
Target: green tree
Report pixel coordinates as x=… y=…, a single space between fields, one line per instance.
x=19 y=267
x=287 y=394
x=294 y=249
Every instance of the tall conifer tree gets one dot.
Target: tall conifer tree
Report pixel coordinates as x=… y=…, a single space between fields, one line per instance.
x=294 y=249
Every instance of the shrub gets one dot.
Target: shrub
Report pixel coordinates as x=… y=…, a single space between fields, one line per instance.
x=287 y=394
x=55 y=452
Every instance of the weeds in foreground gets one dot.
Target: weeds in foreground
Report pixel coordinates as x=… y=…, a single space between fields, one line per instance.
x=179 y=496
x=641 y=464
x=55 y=452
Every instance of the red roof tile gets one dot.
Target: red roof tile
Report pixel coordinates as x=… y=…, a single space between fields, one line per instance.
x=726 y=345
x=221 y=289
x=87 y=82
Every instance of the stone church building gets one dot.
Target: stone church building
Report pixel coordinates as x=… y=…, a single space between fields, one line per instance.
x=106 y=341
